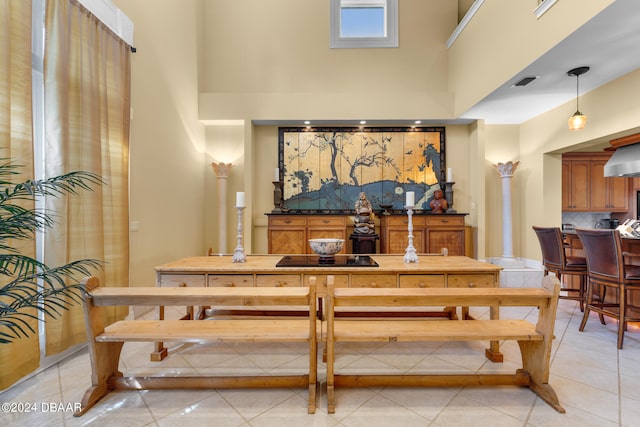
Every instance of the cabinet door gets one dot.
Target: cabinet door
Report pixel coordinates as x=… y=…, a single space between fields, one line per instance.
x=398 y=240
x=566 y=185
x=579 y=185
x=452 y=239
x=618 y=189
x=598 y=189
x=288 y=241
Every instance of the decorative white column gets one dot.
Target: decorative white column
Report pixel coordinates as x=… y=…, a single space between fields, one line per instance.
x=221 y=170
x=506 y=171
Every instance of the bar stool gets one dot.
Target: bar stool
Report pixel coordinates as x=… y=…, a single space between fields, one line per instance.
x=607 y=269
x=555 y=260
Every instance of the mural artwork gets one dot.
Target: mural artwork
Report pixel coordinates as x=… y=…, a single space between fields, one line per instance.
x=325 y=169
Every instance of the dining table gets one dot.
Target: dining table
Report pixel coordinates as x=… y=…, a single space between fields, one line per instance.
x=349 y=270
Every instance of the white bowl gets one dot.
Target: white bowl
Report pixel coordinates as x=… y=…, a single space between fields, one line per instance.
x=326 y=247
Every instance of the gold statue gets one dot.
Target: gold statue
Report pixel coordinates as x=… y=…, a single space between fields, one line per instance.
x=364 y=219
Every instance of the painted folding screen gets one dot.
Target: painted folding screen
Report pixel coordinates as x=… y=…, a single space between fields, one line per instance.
x=324 y=169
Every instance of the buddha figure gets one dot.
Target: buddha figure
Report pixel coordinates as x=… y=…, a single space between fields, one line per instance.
x=364 y=218
x=438 y=204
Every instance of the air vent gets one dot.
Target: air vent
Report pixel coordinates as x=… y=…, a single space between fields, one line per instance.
x=525 y=81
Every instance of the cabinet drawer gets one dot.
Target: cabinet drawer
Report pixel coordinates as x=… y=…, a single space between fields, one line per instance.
x=287 y=221
x=339 y=281
x=422 y=281
x=179 y=279
x=471 y=281
x=326 y=221
x=404 y=221
x=230 y=280
x=449 y=221
x=374 y=281
x=278 y=280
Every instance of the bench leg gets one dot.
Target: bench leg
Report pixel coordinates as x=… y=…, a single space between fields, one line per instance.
x=535 y=361
x=331 y=398
x=105 y=358
x=313 y=371
x=493 y=352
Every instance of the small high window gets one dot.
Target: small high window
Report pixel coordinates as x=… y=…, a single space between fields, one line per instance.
x=364 y=23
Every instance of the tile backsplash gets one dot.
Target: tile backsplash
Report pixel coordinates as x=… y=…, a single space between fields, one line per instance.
x=584 y=219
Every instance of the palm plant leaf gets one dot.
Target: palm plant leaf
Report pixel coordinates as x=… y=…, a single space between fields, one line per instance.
x=31 y=288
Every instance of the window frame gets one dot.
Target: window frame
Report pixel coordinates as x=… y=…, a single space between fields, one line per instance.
x=390 y=40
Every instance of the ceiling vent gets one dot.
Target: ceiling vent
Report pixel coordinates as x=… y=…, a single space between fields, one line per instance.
x=524 y=81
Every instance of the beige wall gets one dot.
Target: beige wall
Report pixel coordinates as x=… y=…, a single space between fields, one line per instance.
x=492 y=44
x=267 y=62
x=167 y=140
x=201 y=62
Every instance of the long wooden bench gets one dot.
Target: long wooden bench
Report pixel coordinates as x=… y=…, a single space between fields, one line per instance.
x=106 y=341
x=534 y=339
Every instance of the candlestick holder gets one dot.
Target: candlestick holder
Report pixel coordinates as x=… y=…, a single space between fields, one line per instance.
x=238 y=252
x=410 y=253
x=448 y=196
x=277 y=197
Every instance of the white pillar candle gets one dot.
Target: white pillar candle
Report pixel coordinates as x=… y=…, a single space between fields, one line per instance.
x=277 y=175
x=449 y=175
x=240 y=199
x=411 y=198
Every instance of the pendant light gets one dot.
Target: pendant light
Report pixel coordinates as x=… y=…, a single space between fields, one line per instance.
x=578 y=120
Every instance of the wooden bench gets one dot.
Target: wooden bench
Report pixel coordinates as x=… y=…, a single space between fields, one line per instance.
x=106 y=342
x=534 y=339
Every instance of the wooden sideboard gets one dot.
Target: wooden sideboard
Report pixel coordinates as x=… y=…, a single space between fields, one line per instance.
x=288 y=234
x=431 y=233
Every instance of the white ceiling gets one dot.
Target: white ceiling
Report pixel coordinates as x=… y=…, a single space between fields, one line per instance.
x=609 y=44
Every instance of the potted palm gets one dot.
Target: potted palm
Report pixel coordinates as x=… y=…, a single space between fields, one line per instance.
x=28 y=287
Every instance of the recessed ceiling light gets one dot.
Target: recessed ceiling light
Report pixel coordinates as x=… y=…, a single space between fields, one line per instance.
x=418 y=122
x=363 y=122
x=307 y=122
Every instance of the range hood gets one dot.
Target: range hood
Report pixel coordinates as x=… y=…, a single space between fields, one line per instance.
x=624 y=162
x=626 y=159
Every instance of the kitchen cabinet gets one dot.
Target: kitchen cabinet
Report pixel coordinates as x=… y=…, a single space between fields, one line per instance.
x=585 y=188
x=608 y=194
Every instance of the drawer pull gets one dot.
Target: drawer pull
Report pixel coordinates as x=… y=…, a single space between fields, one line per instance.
x=445 y=221
x=472 y=285
x=326 y=221
x=287 y=221
x=422 y=285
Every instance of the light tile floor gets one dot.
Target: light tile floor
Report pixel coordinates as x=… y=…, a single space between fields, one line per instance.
x=597 y=384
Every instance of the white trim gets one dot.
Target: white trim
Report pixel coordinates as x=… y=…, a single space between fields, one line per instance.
x=391 y=21
x=109 y=14
x=543 y=7
x=465 y=21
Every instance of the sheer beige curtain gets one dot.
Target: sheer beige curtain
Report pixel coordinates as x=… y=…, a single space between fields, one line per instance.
x=23 y=356
x=87 y=109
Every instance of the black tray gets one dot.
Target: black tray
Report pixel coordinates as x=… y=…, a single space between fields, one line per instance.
x=335 y=261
